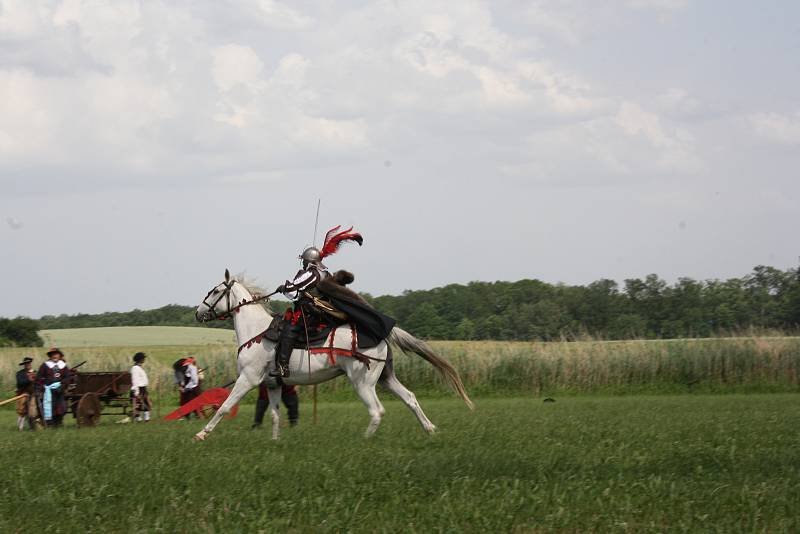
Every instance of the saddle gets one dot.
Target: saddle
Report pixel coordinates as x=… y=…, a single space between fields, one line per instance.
x=351 y=323
x=343 y=334
x=333 y=340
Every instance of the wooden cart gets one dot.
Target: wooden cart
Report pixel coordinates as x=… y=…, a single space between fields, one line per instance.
x=93 y=393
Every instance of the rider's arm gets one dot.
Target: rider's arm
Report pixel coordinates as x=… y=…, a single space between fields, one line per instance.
x=303 y=281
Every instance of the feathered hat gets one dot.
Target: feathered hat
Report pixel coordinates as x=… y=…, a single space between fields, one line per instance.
x=334 y=238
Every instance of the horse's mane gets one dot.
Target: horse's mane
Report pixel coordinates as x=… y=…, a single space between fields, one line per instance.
x=254 y=289
x=250 y=284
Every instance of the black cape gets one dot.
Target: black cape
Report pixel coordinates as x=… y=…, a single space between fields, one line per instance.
x=372 y=325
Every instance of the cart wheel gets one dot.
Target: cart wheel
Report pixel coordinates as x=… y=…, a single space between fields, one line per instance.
x=89 y=410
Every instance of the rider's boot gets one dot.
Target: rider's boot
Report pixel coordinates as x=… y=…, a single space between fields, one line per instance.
x=281 y=365
x=282 y=369
x=290 y=333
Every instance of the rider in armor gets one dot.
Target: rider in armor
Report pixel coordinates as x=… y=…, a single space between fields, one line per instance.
x=309 y=308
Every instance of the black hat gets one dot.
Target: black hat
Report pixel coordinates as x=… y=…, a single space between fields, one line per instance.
x=55 y=350
x=26 y=359
x=139 y=357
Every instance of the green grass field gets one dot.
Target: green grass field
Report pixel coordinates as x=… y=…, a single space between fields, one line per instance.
x=488 y=368
x=583 y=464
x=588 y=462
x=135 y=336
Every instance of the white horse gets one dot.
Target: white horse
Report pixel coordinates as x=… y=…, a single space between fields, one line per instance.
x=256 y=353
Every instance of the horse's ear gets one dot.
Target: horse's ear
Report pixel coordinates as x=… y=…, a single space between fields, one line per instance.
x=227 y=276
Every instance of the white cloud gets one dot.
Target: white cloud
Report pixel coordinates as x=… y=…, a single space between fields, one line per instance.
x=280 y=16
x=630 y=144
x=667 y=5
x=234 y=65
x=634 y=120
x=675 y=147
x=495 y=104
x=782 y=129
x=677 y=101
x=162 y=90
x=555 y=19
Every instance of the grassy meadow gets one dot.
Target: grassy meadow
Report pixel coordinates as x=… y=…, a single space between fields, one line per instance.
x=488 y=368
x=690 y=463
x=607 y=455
x=135 y=336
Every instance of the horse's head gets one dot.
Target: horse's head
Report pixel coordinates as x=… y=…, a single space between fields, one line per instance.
x=217 y=303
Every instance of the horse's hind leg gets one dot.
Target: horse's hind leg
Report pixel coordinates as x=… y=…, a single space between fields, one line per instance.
x=364 y=384
x=390 y=382
x=274 y=395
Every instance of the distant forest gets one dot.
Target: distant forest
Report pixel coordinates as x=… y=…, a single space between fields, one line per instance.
x=20 y=331
x=169 y=315
x=767 y=298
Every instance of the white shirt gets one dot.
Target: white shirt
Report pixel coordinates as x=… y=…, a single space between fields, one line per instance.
x=138 y=378
x=194 y=380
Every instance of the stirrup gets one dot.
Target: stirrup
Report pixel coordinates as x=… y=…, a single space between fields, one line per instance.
x=281 y=370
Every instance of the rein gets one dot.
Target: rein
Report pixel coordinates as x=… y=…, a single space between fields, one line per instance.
x=227 y=314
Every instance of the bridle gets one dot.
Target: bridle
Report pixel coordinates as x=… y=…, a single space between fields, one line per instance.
x=226 y=294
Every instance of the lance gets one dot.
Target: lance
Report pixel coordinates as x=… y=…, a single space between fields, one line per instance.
x=12 y=399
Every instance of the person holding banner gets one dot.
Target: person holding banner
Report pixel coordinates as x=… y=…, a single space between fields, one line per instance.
x=52 y=379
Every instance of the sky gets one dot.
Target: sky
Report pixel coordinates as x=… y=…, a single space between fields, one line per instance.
x=145 y=146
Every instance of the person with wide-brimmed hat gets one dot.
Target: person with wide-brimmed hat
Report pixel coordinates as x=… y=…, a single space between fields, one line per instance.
x=26 y=405
x=139 y=385
x=53 y=376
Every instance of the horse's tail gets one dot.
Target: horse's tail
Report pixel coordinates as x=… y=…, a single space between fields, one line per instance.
x=408 y=343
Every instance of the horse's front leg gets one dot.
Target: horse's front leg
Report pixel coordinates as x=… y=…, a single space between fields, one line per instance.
x=240 y=389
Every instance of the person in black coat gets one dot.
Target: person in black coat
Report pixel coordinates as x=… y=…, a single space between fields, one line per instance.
x=52 y=379
x=26 y=406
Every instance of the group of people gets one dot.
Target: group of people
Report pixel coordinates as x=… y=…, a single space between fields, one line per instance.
x=42 y=393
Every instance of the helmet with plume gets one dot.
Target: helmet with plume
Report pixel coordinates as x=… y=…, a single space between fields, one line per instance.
x=333 y=239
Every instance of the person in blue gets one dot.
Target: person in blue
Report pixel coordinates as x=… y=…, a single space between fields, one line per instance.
x=52 y=379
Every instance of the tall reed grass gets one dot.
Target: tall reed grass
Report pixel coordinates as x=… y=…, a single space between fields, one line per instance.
x=752 y=364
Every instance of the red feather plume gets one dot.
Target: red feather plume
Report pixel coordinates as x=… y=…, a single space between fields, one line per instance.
x=334 y=238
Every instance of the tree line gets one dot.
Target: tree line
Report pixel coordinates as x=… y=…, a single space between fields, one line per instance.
x=20 y=331
x=169 y=315
x=767 y=298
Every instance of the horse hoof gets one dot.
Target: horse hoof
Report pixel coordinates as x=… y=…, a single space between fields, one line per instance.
x=200 y=436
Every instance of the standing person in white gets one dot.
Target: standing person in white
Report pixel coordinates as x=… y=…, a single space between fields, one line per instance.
x=139 y=385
